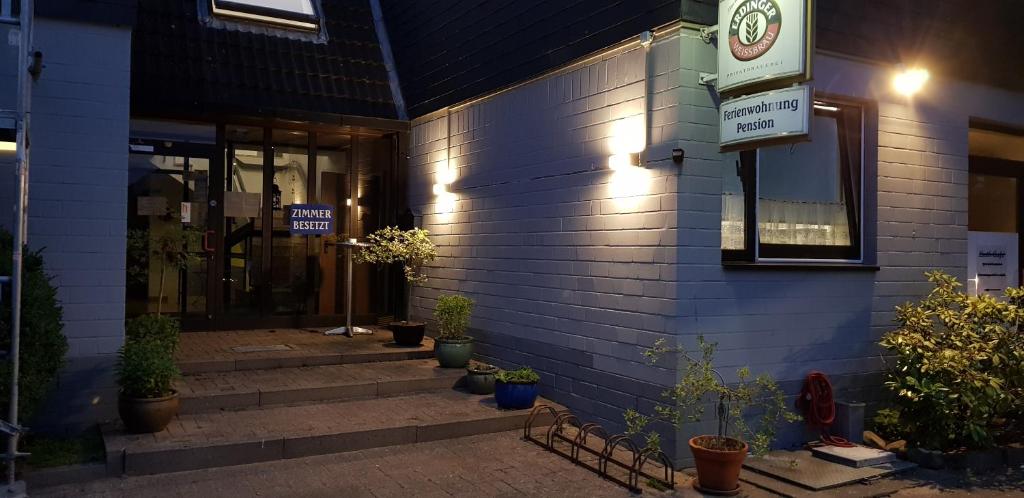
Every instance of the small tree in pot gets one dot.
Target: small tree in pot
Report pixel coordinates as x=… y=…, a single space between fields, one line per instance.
x=718 y=457
x=146 y=372
x=413 y=249
x=452 y=313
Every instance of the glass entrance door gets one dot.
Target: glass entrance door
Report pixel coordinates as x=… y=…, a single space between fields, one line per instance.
x=209 y=236
x=166 y=265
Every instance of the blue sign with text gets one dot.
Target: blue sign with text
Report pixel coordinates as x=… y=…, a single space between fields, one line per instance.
x=311 y=219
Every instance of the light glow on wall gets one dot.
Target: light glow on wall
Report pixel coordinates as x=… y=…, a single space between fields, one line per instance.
x=445 y=176
x=910 y=81
x=629 y=182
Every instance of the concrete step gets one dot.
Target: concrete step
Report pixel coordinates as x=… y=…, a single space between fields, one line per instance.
x=223 y=438
x=254 y=388
x=228 y=351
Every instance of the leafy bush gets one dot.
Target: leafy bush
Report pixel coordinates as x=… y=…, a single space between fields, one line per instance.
x=412 y=248
x=524 y=375
x=146 y=368
x=43 y=345
x=958 y=368
x=160 y=328
x=686 y=401
x=452 y=315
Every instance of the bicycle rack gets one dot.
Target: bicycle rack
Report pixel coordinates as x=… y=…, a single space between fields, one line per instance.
x=612 y=452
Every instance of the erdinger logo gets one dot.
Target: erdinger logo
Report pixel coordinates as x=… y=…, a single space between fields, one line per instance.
x=753 y=28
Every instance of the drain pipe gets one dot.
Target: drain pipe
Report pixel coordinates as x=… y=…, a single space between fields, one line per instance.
x=646 y=40
x=20 y=235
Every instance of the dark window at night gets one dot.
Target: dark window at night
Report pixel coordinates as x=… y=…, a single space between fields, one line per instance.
x=294 y=14
x=805 y=197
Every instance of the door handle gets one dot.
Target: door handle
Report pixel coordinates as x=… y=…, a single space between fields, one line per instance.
x=206 y=240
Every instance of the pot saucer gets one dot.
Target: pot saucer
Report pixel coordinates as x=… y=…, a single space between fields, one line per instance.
x=716 y=492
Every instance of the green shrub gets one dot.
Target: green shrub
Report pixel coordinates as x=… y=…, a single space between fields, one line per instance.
x=146 y=368
x=958 y=366
x=452 y=315
x=524 y=375
x=43 y=345
x=685 y=401
x=160 y=328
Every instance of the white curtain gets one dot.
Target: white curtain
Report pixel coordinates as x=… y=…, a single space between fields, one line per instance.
x=786 y=222
x=803 y=223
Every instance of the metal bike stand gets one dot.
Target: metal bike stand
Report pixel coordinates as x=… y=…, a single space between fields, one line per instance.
x=349 y=330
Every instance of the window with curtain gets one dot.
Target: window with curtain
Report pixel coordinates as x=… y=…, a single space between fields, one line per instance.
x=296 y=14
x=798 y=201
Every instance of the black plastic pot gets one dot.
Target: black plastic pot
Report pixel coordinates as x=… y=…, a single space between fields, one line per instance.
x=407 y=333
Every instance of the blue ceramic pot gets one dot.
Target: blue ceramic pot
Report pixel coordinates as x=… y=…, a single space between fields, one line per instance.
x=515 y=396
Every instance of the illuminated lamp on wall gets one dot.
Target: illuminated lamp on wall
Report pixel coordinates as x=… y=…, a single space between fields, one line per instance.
x=909 y=81
x=445 y=200
x=626 y=143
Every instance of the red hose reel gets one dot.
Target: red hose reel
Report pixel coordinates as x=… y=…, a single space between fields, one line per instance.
x=819 y=407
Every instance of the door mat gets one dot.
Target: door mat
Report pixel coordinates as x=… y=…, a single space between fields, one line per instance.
x=803 y=469
x=262 y=349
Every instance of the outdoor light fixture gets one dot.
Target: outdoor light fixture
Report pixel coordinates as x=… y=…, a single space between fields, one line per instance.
x=445 y=200
x=8 y=141
x=910 y=81
x=626 y=142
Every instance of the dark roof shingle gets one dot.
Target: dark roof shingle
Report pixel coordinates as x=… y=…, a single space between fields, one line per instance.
x=180 y=66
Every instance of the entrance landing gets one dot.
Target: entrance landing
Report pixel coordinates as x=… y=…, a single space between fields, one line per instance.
x=230 y=350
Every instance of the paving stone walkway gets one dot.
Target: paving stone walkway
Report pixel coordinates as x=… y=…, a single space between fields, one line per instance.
x=492 y=465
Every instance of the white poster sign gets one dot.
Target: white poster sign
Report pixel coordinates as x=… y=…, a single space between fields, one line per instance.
x=760 y=41
x=991 y=262
x=186 y=212
x=775 y=115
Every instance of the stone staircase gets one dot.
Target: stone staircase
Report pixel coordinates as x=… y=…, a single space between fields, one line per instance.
x=300 y=394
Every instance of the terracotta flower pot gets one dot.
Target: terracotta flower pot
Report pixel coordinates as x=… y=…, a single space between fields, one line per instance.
x=718 y=471
x=146 y=415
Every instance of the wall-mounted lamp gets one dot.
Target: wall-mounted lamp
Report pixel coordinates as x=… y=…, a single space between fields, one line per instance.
x=910 y=81
x=627 y=141
x=445 y=199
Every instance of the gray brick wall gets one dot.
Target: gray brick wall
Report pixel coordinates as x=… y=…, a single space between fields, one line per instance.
x=566 y=279
x=78 y=197
x=78 y=194
x=571 y=282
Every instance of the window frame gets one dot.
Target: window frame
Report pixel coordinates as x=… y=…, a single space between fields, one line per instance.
x=850 y=118
x=239 y=11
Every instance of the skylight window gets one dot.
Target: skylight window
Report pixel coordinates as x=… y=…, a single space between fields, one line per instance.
x=296 y=14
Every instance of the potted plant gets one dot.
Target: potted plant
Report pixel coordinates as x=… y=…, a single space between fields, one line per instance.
x=516 y=389
x=146 y=372
x=453 y=348
x=170 y=247
x=718 y=457
x=413 y=249
x=480 y=377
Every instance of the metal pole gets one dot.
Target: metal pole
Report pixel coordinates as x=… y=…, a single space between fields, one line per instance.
x=348 y=291
x=20 y=226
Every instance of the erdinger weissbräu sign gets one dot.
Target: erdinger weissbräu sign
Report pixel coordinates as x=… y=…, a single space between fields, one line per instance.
x=311 y=219
x=780 y=115
x=762 y=41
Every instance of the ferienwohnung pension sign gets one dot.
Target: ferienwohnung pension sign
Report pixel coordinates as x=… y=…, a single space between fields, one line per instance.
x=763 y=41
